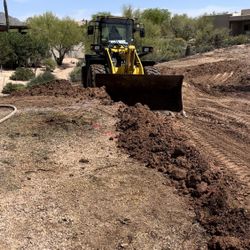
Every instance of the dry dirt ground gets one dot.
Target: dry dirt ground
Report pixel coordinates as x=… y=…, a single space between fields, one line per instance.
x=64 y=183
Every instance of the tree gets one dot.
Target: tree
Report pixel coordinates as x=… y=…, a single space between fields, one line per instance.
x=129 y=12
x=6 y=15
x=6 y=51
x=156 y=16
x=183 y=27
x=101 y=13
x=61 y=35
x=19 y=50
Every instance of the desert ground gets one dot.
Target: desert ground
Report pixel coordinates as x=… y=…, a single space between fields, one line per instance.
x=78 y=171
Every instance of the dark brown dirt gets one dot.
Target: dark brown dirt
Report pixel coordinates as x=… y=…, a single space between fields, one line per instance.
x=155 y=140
x=232 y=88
x=228 y=76
x=64 y=88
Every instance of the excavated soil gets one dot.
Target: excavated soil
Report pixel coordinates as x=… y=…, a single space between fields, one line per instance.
x=155 y=140
x=228 y=76
x=64 y=88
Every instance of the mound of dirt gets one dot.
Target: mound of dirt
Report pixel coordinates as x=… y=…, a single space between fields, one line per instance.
x=221 y=76
x=232 y=88
x=154 y=139
x=64 y=88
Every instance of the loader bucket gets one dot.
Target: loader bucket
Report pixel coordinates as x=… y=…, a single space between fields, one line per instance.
x=159 y=92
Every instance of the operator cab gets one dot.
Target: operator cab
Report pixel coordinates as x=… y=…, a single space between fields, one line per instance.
x=116 y=31
x=110 y=31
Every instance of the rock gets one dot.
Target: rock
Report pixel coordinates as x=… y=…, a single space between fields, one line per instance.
x=178 y=152
x=123 y=245
x=201 y=187
x=84 y=161
x=178 y=173
x=124 y=221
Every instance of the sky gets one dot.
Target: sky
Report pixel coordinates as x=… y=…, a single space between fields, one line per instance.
x=83 y=9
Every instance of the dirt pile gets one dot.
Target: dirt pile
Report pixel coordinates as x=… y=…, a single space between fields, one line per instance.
x=64 y=88
x=222 y=76
x=154 y=139
x=233 y=88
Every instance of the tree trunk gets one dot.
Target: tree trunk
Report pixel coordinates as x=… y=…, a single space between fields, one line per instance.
x=59 y=59
x=6 y=15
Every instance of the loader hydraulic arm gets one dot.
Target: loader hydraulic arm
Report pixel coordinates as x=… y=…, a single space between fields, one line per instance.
x=131 y=62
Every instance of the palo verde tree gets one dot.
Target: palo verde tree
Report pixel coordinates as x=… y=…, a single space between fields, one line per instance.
x=183 y=27
x=61 y=35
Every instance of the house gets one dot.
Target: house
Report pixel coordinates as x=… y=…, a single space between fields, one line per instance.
x=15 y=24
x=238 y=24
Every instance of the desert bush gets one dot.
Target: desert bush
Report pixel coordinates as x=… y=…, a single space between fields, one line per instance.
x=75 y=75
x=49 y=64
x=19 y=50
x=12 y=87
x=22 y=74
x=41 y=79
x=237 y=40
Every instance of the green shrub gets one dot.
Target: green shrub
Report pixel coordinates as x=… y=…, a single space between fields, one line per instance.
x=49 y=64
x=41 y=79
x=11 y=87
x=75 y=75
x=19 y=50
x=202 y=48
x=237 y=40
x=22 y=74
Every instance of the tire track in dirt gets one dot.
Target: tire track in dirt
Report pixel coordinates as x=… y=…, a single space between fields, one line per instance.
x=238 y=118
x=221 y=110
x=210 y=145
x=216 y=105
x=229 y=128
x=214 y=114
x=226 y=146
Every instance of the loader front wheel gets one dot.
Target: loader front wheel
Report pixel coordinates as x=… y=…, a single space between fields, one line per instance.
x=91 y=75
x=151 y=70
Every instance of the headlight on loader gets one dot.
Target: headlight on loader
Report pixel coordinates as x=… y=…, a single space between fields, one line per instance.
x=147 y=49
x=95 y=47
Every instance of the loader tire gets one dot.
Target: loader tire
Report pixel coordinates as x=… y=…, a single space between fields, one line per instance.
x=151 y=70
x=93 y=70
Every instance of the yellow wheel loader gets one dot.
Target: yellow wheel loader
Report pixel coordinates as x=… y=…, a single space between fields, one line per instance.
x=117 y=65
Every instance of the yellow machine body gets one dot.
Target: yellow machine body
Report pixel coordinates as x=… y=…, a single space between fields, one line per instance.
x=132 y=65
